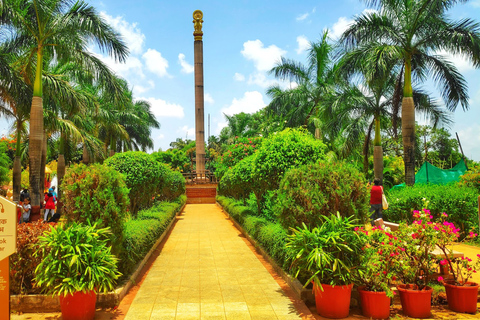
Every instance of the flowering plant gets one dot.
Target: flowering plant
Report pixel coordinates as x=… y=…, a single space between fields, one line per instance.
x=416 y=262
x=462 y=268
x=378 y=261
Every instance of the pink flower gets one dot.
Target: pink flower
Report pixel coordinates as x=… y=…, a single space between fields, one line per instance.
x=444 y=214
x=443 y=262
x=356 y=228
x=440 y=279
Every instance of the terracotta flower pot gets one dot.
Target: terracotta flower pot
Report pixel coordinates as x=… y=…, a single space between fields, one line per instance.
x=415 y=303
x=78 y=306
x=462 y=298
x=375 y=305
x=334 y=301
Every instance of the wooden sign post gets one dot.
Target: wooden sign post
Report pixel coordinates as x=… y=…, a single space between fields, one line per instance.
x=8 y=246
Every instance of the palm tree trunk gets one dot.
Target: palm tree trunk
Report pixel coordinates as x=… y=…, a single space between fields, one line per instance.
x=60 y=175
x=44 y=161
x=86 y=156
x=377 y=152
x=17 y=165
x=366 y=147
x=35 y=150
x=36 y=135
x=113 y=146
x=408 y=126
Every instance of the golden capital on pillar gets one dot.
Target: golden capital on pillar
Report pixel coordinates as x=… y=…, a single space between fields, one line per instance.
x=197 y=24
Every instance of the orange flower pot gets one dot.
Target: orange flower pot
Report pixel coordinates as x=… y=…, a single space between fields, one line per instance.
x=334 y=301
x=78 y=306
x=462 y=298
x=375 y=305
x=415 y=303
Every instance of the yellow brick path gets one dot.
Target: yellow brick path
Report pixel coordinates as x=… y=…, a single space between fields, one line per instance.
x=206 y=271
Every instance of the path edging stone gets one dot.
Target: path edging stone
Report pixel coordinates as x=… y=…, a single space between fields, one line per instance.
x=49 y=303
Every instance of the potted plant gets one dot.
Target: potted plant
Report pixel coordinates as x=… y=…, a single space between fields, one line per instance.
x=416 y=263
x=328 y=256
x=461 y=293
x=77 y=263
x=377 y=272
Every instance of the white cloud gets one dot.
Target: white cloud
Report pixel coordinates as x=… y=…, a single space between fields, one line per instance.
x=302 y=17
x=155 y=63
x=339 y=27
x=139 y=89
x=251 y=102
x=470 y=138
x=239 y=77
x=162 y=108
x=475 y=3
x=261 y=80
x=186 y=67
x=132 y=35
x=461 y=62
x=208 y=98
x=161 y=136
x=263 y=58
x=132 y=68
x=189 y=132
x=303 y=44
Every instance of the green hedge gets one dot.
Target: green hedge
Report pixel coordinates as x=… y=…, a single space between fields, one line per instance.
x=460 y=203
x=271 y=236
x=140 y=234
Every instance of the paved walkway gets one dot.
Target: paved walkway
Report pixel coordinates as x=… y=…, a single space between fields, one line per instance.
x=206 y=271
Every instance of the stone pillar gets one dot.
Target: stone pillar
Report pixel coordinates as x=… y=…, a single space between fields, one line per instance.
x=199 y=103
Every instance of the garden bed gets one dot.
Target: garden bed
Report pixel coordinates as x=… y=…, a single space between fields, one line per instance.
x=48 y=303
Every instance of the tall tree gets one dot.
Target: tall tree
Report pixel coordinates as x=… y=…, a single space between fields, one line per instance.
x=63 y=29
x=413 y=33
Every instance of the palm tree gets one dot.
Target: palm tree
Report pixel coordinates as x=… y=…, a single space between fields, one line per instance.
x=64 y=29
x=412 y=33
x=315 y=82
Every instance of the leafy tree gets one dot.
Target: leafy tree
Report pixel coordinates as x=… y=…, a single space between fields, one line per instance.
x=410 y=33
x=240 y=149
x=62 y=29
x=4 y=164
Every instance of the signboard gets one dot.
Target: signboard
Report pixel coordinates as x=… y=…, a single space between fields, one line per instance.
x=8 y=246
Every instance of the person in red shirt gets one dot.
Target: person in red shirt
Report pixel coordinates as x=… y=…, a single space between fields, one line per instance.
x=49 y=206
x=376 y=200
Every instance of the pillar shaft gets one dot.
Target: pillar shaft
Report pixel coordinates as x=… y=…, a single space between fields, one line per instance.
x=199 y=98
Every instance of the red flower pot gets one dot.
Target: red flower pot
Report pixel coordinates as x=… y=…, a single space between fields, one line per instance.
x=78 y=306
x=415 y=303
x=334 y=301
x=462 y=298
x=375 y=305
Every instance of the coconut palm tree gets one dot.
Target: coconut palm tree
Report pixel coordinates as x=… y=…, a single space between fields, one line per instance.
x=413 y=33
x=64 y=29
x=313 y=84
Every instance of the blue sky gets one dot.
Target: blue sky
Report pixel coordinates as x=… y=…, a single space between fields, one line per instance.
x=242 y=41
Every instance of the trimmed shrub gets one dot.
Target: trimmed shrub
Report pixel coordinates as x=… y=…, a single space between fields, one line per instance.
x=460 y=203
x=23 y=263
x=237 y=182
x=140 y=234
x=309 y=193
x=143 y=176
x=93 y=193
x=471 y=178
x=237 y=151
x=173 y=184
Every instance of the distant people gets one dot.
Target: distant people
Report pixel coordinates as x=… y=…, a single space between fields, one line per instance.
x=376 y=200
x=49 y=206
x=23 y=194
x=26 y=210
x=52 y=191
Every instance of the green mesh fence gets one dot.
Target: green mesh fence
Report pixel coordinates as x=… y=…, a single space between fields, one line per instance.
x=428 y=173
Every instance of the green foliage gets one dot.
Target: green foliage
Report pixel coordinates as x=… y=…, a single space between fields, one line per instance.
x=471 y=178
x=5 y=163
x=238 y=150
x=76 y=257
x=312 y=192
x=142 y=233
x=96 y=193
x=270 y=235
x=177 y=159
x=173 y=184
x=23 y=262
x=459 y=202
x=143 y=176
x=328 y=254
x=282 y=151
x=393 y=171
x=237 y=181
